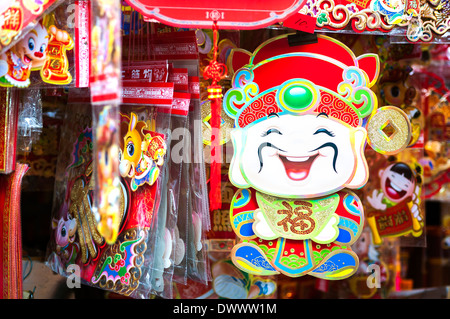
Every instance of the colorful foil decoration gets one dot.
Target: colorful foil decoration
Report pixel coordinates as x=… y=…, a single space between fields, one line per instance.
x=299 y=139
x=417 y=21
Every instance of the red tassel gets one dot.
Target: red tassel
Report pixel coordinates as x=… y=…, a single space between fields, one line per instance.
x=215 y=71
x=216 y=157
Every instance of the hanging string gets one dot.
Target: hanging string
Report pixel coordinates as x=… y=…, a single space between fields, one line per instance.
x=215 y=71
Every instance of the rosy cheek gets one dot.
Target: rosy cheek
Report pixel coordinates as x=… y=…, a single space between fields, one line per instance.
x=270 y=151
x=410 y=189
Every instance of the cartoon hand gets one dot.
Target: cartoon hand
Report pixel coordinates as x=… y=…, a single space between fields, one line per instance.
x=261 y=226
x=144 y=146
x=60 y=35
x=160 y=160
x=376 y=200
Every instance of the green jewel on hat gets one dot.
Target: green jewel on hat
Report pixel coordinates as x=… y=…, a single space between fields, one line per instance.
x=297 y=95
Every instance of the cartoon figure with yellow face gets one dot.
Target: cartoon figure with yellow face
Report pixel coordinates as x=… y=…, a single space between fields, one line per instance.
x=29 y=54
x=142 y=154
x=300 y=114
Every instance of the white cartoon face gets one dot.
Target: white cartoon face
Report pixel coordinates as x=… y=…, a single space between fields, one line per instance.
x=397 y=182
x=299 y=156
x=32 y=48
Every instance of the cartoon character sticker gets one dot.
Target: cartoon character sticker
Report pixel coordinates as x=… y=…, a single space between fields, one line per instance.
x=299 y=142
x=142 y=153
x=396 y=206
x=31 y=54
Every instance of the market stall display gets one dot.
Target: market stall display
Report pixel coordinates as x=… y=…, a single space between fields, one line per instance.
x=226 y=150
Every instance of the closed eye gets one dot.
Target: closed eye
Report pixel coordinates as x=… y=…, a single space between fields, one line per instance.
x=325 y=131
x=272 y=130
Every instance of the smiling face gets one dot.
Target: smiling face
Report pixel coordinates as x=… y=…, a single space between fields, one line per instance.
x=299 y=156
x=397 y=182
x=32 y=48
x=131 y=154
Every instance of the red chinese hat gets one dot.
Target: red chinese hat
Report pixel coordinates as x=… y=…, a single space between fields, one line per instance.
x=324 y=76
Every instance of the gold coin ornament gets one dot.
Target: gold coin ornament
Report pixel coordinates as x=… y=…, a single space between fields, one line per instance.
x=226 y=124
x=389 y=130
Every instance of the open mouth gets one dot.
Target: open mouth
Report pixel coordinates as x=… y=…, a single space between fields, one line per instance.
x=297 y=168
x=394 y=191
x=131 y=171
x=26 y=59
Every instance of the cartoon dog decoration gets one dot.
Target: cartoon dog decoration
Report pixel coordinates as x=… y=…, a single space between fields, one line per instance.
x=142 y=153
x=300 y=131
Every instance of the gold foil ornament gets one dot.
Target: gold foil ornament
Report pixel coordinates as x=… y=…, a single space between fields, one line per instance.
x=226 y=125
x=81 y=209
x=389 y=130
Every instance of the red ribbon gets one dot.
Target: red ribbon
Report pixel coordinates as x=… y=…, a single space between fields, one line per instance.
x=215 y=71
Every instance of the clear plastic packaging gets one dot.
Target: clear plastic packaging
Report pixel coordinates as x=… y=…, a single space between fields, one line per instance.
x=156 y=123
x=30 y=120
x=76 y=249
x=107 y=187
x=431 y=81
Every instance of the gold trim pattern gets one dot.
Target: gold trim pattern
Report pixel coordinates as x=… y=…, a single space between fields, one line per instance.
x=137 y=262
x=327 y=11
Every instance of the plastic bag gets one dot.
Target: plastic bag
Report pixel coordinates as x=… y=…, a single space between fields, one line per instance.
x=76 y=248
x=30 y=120
x=149 y=121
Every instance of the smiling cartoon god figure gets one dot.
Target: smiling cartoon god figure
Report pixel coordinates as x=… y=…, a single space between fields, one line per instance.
x=300 y=114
